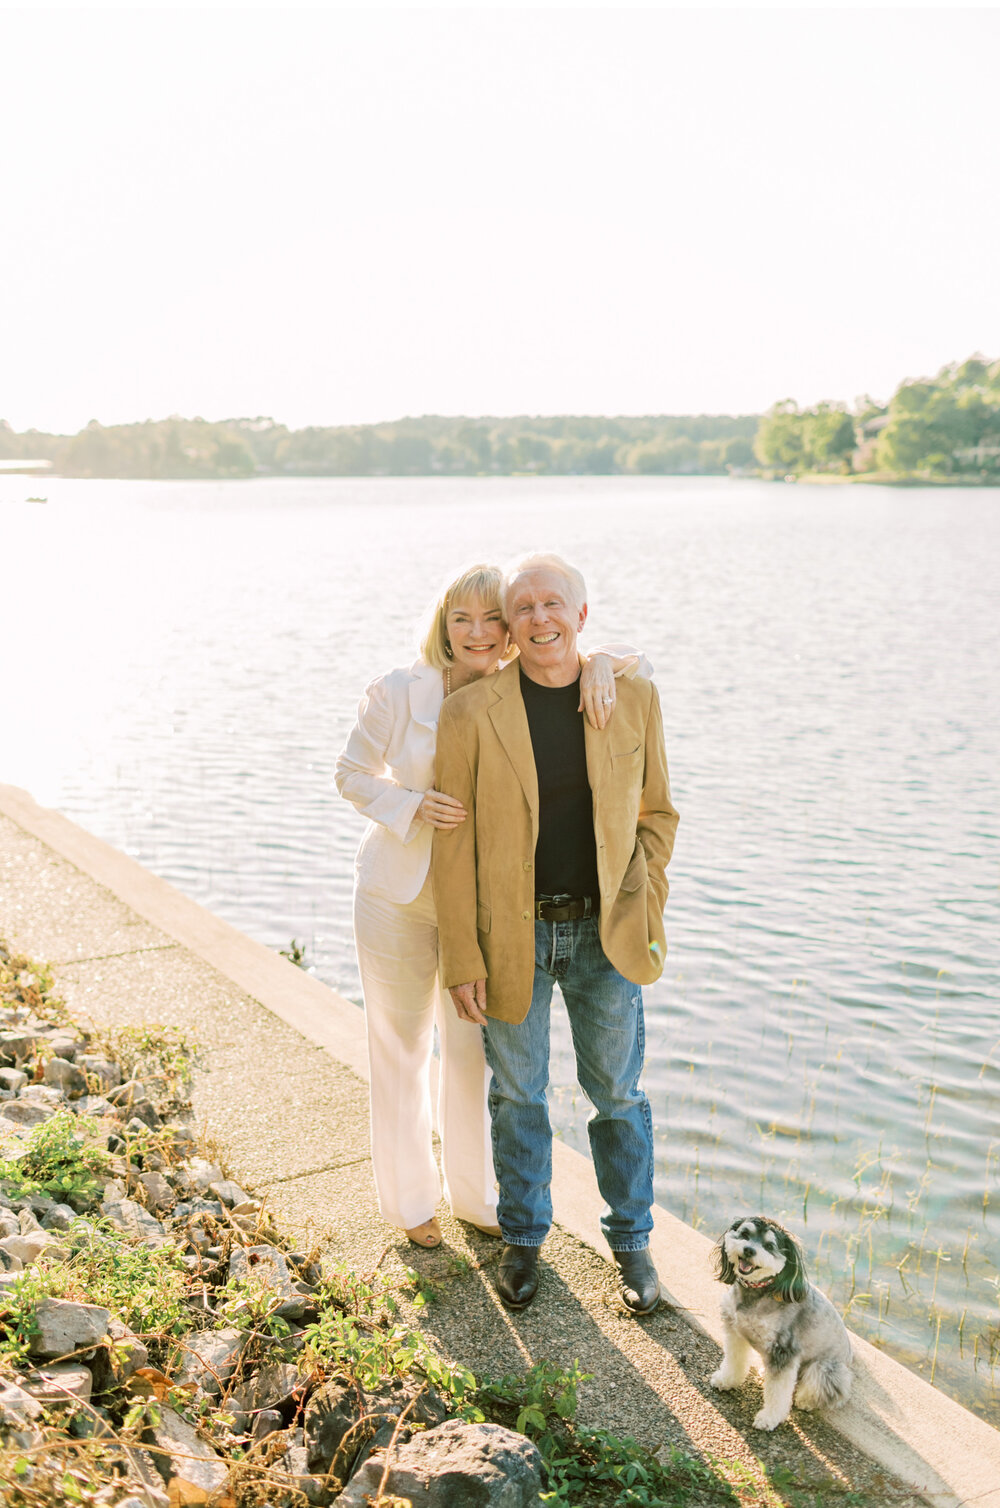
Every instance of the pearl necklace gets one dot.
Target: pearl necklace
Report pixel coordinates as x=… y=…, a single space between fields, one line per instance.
x=447 y=680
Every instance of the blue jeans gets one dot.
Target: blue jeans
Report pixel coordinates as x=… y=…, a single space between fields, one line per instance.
x=605 y=1014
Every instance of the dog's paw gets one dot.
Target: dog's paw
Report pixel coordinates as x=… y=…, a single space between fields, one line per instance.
x=723 y=1381
x=764 y=1420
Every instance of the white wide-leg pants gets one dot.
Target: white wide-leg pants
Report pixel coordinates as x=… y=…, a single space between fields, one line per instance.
x=398 y=960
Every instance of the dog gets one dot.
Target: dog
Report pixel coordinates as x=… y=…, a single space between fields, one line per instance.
x=772 y=1308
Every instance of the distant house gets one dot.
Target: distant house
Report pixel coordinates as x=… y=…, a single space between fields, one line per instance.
x=863 y=457
x=983 y=454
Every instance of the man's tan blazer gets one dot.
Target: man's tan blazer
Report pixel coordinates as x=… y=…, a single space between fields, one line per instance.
x=483 y=870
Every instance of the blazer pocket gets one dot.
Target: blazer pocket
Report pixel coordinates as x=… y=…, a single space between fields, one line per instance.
x=484 y=917
x=626 y=756
x=636 y=875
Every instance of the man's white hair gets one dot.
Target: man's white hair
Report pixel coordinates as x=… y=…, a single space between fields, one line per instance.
x=547 y=561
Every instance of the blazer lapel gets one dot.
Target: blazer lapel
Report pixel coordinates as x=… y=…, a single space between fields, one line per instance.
x=510 y=721
x=426 y=694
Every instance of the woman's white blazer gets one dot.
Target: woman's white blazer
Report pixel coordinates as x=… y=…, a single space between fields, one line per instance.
x=384 y=770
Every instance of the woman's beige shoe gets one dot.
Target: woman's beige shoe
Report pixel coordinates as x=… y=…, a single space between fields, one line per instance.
x=488 y=1230
x=428 y=1234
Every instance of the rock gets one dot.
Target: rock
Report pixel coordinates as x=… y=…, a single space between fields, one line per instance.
x=125 y=1095
x=268 y=1388
x=22 y=1112
x=9 y=1261
x=191 y=1469
x=40 y=1204
x=12 y=1079
x=248 y=1224
x=201 y=1206
x=17 y=1407
x=102 y=1071
x=204 y=1173
x=62 y=1383
x=158 y=1191
x=63 y=1327
x=9 y=1224
x=19 y=1044
x=267 y=1266
x=197 y=1238
x=475 y=1465
x=228 y=1192
x=115 y=1362
x=128 y=1345
x=208 y=1358
x=267 y=1422
x=384 y=1402
x=59 y=1217
x=331 y=1412
x=64 y=1075
x=27 y=1220
x=129 y=1216
x=143 y=1114
x=246 y=1207
x=13 y=1138
x=53 y=1251
x=46 y=1095
x=143 y=1479
x=67 y=1042
x=94 y=1104
x=311 y=1487
x=27 y=1248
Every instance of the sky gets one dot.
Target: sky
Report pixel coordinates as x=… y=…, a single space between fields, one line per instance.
x=332 y=215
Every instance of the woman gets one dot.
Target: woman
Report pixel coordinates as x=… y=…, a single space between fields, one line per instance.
x=387 y=772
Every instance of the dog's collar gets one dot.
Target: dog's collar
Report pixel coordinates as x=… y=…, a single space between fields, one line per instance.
x=766 y=1284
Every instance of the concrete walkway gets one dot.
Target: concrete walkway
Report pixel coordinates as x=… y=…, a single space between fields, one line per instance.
x=281 y=1092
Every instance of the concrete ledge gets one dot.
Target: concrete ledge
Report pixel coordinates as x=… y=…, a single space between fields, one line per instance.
x=937 y=1447
x=319 y=1013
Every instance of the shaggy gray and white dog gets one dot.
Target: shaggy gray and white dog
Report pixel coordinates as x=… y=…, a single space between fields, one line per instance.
x=773 y=1309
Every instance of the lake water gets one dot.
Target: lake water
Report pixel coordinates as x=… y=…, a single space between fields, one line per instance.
x=181 y=663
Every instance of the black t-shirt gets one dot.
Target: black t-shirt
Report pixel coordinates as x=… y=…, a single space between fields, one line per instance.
x=566 y=852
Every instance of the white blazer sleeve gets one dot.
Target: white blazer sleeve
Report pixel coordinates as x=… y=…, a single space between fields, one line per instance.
x=642 y=666
x=361 y=771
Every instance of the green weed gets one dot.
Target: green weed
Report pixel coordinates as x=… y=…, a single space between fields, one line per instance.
x=161 y=1056
x=59 y=1161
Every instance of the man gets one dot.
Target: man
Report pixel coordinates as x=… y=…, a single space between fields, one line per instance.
x=556 y=875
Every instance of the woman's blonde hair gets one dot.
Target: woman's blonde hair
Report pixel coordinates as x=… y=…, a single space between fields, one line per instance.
x=481 y=581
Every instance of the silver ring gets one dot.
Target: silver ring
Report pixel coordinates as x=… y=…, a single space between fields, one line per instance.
x=607 y=700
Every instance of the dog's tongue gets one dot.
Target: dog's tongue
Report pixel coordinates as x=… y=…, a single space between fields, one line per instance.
x=745 y=1266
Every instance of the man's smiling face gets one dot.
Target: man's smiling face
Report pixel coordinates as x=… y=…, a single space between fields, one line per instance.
x=544 y=623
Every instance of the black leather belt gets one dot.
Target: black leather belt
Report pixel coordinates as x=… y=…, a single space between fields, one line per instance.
x=564 y=908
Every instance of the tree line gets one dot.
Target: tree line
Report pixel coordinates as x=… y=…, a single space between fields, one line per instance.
x=931 y=429
x=429 y=446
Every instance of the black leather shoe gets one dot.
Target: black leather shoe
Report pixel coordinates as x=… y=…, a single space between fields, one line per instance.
x=638 y=1283
x=517 y=1279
